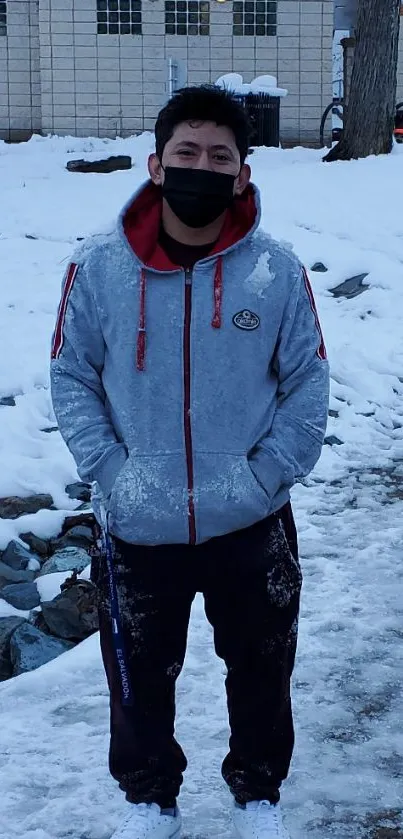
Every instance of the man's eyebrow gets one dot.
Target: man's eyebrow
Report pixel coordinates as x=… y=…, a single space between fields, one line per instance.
x=187 y=143
x=222 y=147
x=190 y=145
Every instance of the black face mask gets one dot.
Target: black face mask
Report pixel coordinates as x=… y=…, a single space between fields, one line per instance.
x=197 y=196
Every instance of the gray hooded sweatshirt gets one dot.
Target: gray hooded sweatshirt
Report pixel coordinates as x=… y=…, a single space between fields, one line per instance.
x=192 y=400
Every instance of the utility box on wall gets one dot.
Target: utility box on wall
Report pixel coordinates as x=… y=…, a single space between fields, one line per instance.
x=345 y=14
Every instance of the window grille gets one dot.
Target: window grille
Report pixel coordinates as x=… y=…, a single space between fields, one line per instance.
x=118 y=17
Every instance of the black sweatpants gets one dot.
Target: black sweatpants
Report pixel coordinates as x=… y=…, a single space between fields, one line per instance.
x=251 y=581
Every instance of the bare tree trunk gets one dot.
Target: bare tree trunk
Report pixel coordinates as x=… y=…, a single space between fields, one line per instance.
x=370 y=111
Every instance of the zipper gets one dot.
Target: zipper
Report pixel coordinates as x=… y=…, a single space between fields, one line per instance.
x=187 y=419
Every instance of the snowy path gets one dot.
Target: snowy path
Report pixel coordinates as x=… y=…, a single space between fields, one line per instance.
x=347 y=769
x=347 y=774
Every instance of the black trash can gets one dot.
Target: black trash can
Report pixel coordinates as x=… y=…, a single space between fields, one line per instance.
x=264 y=116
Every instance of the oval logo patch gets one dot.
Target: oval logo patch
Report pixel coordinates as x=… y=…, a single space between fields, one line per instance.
x=246 y=320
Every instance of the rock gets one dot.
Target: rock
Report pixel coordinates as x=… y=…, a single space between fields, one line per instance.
x=37 y=545
x=67 y=559
x=333 y=441
x=319 y=267
x=79 y=536
x=74 y=521
x=7 y=627
x=17 y=557
x=7 y=402
x=13 y=507
x=111 y=164
x=30 y=648
x=332 y=413
x=36 y=618
x=79 y=491
x=21 y=595
x=50 y=429
x=73 y=613
x=10 y=575
x=351 y=287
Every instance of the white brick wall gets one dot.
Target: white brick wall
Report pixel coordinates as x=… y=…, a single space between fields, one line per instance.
x=20 y=99
x=111 y=84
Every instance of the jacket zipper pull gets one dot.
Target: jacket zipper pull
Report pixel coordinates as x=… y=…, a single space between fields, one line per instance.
x=188 y=276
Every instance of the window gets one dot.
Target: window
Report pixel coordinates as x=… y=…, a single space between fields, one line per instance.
x=3 y=18
x=187 y=17
x=255 y=17
x=118 y=17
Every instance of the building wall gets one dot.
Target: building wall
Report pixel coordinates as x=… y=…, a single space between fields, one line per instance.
x=58 y=75
x=20 y=99
x=115 y=84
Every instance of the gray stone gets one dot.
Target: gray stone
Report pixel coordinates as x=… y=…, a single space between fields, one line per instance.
x=351 y=287
x=7 y=402
x=50 y=429
x=332 y=440
x=39 y=546
x=21 y=595
x=7 y=627
x=79 y=536
x=17 y=557
x=13 y=507
x=73 y=613
x=319 y=267
x=75 y=521
x=111 y=164
x=10 y=575
x=333 y=413
x=30 y=648
x=79 y=491
x=67 y=559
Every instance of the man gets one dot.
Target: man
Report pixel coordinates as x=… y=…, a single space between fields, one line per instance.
x=190 y=382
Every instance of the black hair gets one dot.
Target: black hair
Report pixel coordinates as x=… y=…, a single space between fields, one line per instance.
x=204 y=103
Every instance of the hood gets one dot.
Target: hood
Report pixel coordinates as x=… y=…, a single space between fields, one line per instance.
x=140 y=222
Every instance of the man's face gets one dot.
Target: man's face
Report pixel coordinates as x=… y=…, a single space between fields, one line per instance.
x=201 y=145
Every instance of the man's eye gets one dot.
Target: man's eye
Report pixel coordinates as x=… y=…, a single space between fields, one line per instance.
x=185 y=152
x=222 y=158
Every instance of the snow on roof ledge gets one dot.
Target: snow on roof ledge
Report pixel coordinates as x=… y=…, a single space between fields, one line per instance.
x=262 y=84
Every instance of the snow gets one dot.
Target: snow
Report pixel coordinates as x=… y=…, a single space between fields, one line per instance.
x=6 y=611
x=262 y=84
x=346 y=773
x=49 y=585
x=261 y=276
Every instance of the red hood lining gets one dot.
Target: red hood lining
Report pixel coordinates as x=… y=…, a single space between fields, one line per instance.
x=142 y=221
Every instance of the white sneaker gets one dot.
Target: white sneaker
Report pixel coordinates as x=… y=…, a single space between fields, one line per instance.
x=259 y=820
x=145 y=821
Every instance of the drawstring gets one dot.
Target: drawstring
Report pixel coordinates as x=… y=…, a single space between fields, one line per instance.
x=216 y=322
x=141 y=335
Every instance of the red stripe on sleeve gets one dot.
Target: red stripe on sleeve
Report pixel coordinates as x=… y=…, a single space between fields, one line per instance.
x=58 y=337
x=321 y=351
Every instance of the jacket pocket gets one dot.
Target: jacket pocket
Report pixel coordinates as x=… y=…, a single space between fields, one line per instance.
x=148 y=503
x=227 y=495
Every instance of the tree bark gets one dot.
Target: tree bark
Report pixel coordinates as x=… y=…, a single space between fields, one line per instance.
x=369 y=113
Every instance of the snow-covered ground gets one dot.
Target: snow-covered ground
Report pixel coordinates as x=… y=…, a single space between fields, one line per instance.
x=347 y=774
